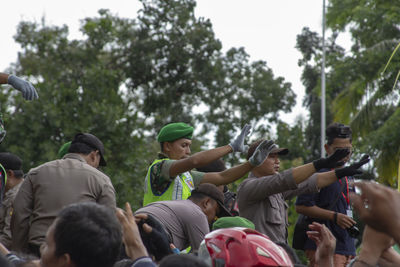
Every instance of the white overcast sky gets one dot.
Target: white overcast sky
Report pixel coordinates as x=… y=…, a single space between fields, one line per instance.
x=267 y=29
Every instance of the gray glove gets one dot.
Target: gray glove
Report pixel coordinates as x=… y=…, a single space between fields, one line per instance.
x=237 y=144
x=26 y=88
x=261 y=153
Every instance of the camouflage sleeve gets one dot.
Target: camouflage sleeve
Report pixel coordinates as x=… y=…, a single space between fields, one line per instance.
x=197 y=177
x=159 y=176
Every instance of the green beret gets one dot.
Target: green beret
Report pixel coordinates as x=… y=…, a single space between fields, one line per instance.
x=228 y=222
x=63 y=150
x=175 y=131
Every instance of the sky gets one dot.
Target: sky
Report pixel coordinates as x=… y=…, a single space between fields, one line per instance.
x=266 y=29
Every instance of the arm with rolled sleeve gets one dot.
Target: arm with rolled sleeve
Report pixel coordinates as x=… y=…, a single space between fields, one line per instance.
x=306 y=205
x=23 y=207
x=308 y=186
x=256 y=189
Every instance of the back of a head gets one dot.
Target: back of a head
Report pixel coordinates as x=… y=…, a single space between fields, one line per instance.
x=89 y=233
x=12 y=162
x=182 y=260
x=84 y=143
x=214 y=166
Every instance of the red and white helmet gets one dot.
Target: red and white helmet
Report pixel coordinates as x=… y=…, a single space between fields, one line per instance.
x=241 y=247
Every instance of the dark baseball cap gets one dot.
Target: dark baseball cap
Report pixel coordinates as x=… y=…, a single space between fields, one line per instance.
x=93 y=142
x=279 y=150
x=276 y=150
x=11 y=162
x=213 y=192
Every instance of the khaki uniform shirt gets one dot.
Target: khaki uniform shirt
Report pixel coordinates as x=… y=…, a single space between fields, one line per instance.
x=5 y=215
x=50 y=187
x=262 y=201
x=185 y=222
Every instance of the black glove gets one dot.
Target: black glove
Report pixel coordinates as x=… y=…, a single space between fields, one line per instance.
x=332 y=161
x=352 y=169
x=156 y=242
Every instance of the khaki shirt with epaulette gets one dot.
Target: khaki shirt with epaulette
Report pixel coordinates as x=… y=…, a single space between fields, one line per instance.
x=50 y=187
x=5 y=215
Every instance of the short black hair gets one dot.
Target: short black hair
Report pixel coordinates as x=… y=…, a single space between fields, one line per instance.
x=214 y=166
x=195 y=197
x=80 y=148
x=337 y=130
x=182 y=260
x=89 y=233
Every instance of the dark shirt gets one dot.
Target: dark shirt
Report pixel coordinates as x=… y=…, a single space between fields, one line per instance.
x=324 y=199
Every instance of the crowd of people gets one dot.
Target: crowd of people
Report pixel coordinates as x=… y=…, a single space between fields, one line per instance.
x=64 y=213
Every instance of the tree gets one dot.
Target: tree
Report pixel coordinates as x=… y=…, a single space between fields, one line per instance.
x=310 y=45
x=369 y=102
x=127 y=78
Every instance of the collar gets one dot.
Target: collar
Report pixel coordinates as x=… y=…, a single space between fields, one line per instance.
x=74 y=156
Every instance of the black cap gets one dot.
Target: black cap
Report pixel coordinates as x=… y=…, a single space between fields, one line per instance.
x=213 y=192
x=11 y=162
x=93 y=142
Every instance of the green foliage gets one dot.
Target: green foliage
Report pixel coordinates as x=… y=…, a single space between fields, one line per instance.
x=127 y=78
x=369 y=101
x=358 y=93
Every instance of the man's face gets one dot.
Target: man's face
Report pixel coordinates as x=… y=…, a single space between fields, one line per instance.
x=48 y=250
x=270 y=165
x=178 y=149
x=211 y=209
x=339 y=143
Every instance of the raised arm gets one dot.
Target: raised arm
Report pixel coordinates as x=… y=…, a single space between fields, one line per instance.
x=205 y=157
x=237 y=172
x=26 y=88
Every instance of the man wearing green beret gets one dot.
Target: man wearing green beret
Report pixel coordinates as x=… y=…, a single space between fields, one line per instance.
x=171 y=177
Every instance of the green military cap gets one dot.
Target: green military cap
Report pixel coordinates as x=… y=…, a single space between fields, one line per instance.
x=63 y=150
x=175 y=131
x=228 y=222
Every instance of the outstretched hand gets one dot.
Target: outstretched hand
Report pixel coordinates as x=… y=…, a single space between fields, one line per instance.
x=261 y=152
x=379 y=207
x=333 y=161
x=353 y=169
x=26 y=88
x=325 y=241
x=237 y=144
x=133 y=243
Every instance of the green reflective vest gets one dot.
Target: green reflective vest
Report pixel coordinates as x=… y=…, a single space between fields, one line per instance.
x=178 y=189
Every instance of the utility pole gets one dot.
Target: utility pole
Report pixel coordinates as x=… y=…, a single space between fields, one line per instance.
x=323 y=119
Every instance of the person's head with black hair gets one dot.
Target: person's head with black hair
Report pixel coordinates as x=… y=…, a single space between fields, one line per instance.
x=338 y=136
x=90 y=148
x=182 y=260
x=215 y=166
x=13 y=166
x=83 y=235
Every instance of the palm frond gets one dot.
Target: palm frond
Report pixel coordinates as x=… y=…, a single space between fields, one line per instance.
x=390 y=59
x=347 y=102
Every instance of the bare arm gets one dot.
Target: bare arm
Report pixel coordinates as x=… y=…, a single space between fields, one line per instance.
x=302 y=172
x=228 y=176
x=342 y=220
x=315 y=212
x=326 y=178
x=198 y=160
x=3 y=78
